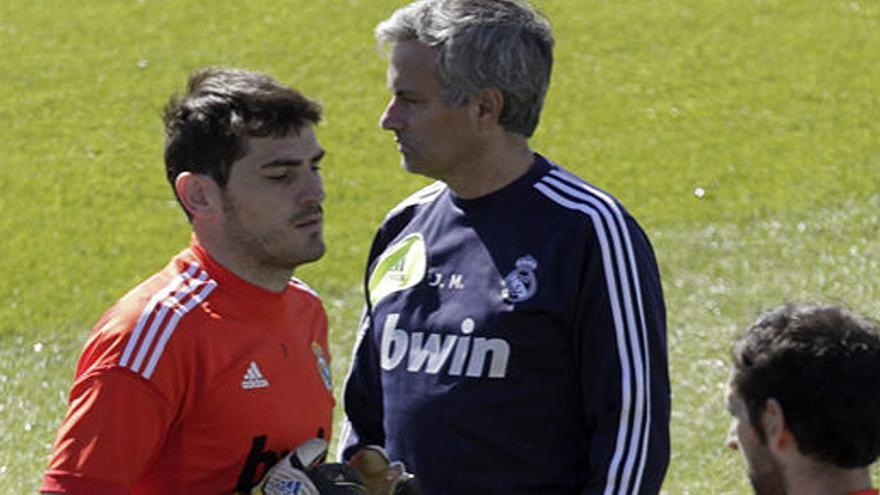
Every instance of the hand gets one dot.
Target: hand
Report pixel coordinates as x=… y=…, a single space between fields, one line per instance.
x=381 y=476
x=303 y=472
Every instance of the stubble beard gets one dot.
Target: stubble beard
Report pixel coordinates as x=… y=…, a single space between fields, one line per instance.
x=418 y=167
x=317 y=240
x=769 y=480
x=259 y=248
x=407 y=164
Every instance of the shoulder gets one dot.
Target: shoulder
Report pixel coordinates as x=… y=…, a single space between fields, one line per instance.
x=570 y=192
x=298 y=286
x=423 y=196
x=588 y=207
x=137 y=330
x=308 y=309
x=406 y=213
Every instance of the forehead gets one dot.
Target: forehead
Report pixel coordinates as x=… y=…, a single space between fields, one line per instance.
x=731 y=395
x=301 y=144
x=412 y=63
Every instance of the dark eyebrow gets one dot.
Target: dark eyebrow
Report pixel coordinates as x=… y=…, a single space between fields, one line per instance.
x=287 y=162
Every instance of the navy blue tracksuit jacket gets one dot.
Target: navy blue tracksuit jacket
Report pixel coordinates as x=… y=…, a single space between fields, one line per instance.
x=514 y=343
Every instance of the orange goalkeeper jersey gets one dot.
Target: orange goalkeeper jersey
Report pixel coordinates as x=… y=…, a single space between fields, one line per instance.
x=195 y=382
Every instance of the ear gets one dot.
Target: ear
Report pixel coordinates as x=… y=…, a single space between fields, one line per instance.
x=199 y=194
x=776 y=430
x=490 y=103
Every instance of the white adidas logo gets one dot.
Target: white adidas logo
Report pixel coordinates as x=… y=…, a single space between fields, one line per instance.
x=253 y=378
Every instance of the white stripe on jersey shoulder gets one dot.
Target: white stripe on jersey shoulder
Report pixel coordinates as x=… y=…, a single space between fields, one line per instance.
x=299 y=284
x=573 y=181
x=624 y=288
x=423 y=195
x=161 y=316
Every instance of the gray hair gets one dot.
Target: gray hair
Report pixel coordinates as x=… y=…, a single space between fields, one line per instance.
x=481 y=44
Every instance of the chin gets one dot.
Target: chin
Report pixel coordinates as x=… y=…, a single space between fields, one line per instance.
x=319 y=253
x=419 y=169
x=294 y=258
x=313 y=254
x=410 y=165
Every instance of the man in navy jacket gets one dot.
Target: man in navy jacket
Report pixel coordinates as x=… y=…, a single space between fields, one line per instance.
x=514 y=335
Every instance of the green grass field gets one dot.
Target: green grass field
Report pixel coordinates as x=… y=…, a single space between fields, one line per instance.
x=769 y=107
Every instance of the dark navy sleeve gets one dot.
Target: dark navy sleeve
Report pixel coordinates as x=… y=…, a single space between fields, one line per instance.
x=364 y=395
x=363 y=398
x=363 y=387
x=623 y=362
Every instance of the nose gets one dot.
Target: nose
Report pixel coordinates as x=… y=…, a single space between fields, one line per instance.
x=732 y=441
x=313 y=190
x=391 y=119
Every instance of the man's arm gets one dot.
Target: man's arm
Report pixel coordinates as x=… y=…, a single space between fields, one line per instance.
x=363 y=396
x=624 y=365
x=114 y=426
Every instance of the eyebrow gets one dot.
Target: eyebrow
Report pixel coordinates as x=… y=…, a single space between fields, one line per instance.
x=289 y=162
x=406 y=92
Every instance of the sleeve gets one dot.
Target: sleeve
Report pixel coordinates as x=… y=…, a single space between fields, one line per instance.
x=114 y=427
x=623 y=363
x=363 y=396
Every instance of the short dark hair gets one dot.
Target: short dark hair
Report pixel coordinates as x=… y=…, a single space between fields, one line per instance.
x=206 y=129
x=822 y=364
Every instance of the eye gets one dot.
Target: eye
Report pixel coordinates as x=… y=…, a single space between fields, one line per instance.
x=407 y=99
x=281 y=177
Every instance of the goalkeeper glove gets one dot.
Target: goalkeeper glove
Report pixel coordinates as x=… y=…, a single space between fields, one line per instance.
x=301 y=472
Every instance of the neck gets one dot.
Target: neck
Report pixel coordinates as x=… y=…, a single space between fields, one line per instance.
x=272 y=278
x=500 y=163
x=816 y=478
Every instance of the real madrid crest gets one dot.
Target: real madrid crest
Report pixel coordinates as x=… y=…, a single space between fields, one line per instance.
x=323 y=367
x=520 y=284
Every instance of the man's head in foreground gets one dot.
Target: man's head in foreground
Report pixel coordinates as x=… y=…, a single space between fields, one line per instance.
x=804 y=393
x=242 y=157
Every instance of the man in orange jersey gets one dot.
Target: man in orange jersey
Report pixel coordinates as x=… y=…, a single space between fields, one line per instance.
x=804 y=393
x=207 y=374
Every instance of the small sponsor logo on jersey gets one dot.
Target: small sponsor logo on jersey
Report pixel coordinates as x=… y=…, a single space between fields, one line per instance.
x=253 y=378
x=430 y=353
x=520 y=284
x=323 y=367
x=401 y=266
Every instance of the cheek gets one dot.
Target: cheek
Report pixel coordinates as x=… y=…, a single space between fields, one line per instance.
x=746 y=439
x=453 y=120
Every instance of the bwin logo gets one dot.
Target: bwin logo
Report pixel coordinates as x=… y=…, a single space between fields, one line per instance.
x=433 y=351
